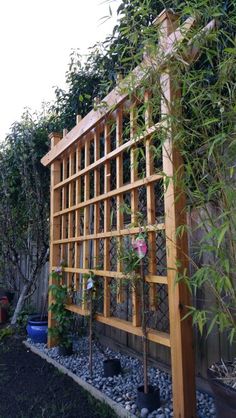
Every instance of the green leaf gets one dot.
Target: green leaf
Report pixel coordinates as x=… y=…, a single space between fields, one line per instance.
x=222 y=234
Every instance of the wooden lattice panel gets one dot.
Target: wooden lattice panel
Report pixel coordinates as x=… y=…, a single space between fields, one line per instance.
x=92 y=189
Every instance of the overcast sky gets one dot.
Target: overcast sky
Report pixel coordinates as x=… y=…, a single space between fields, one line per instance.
x=36 y=38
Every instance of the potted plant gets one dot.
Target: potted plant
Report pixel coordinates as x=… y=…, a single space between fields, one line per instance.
x=37 y=325
x=37 y=328
x=132 y=259
x=62 y=330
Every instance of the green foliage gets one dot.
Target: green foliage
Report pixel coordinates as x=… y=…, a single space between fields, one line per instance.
x=24 y=316
x=62 y=316
x=6 y=332
x=24 y=199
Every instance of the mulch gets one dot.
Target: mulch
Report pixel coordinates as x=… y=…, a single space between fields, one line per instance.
x=32 y=388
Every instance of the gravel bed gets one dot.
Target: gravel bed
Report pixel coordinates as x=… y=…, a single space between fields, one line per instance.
x=122 y=388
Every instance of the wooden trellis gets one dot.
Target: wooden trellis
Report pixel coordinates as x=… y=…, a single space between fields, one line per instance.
x=94 y=173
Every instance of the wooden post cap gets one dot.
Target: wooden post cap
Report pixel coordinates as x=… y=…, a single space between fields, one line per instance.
x=54 y=137
x=165 y=14
x=78 y=119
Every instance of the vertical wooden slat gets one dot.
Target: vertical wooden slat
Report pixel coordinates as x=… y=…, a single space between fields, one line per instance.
x=54 y=227
x=86 y=223
x=96 y=193
x=77 y=219
x=136 y=312
x=70 y=220
x=150 y=203
x=119 y=200
x=181 y=333
x=106 y=311
x=64 y=201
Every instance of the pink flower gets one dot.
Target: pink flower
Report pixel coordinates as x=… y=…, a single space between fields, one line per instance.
x=140 y=246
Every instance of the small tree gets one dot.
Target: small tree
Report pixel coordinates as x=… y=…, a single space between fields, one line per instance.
x=24 y=204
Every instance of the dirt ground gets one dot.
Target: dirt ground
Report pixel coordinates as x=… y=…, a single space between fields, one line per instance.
x=32 y=388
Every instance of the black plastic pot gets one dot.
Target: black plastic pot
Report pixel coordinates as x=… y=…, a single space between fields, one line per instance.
x=150 y=400
x=225 y=396
x=65 y=350
x=37 y=328
x=111 y=367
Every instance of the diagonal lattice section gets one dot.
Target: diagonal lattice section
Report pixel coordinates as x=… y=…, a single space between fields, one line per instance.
x=126 y=167
x=101 y=216
x=99 y=300
x=91 y=219
x=113 y=254
x=113 y=213
x=140 y=157
x=126 y=127
x=161 y=253
x=101 y=179
x=159 y=201
x=127 y=206
x=121 y=310
x=113 y=298
x=159 y=319
x=142 y=202
x=113 y=135
x=113 y=175
x=91 y=184
x=101 y=254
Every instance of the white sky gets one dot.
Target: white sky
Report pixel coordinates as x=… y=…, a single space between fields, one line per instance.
x=36 y=38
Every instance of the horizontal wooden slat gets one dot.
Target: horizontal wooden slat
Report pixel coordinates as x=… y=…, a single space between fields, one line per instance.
x=123 y=189
x=102 y=273
x=115 y=233
x=152 y=335
x=77 y=309
x=110 y=155
x=115 y=274
x=156 y=279
x=155 y=336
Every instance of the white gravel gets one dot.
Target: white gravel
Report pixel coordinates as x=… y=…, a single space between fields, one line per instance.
x=122 y=388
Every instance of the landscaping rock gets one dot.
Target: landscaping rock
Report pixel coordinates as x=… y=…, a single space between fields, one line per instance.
x=123 y=388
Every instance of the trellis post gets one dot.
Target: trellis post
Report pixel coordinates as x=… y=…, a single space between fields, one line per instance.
x=54 y=226
x=181 y=332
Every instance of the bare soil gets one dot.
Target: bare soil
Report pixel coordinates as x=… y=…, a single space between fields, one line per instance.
x=32 y=388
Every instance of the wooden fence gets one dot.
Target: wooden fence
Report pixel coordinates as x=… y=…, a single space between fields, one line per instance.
x=94 y=172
